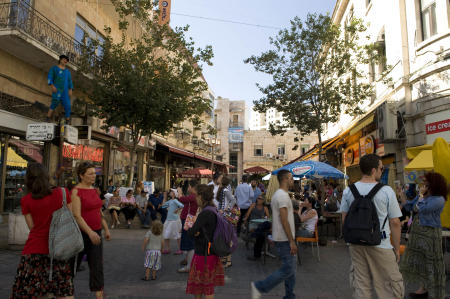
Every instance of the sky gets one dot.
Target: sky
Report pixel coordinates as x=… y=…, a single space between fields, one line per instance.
x=230 y=77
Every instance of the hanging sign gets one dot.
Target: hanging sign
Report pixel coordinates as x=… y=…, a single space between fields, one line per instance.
x=40 y=132
x=367 y=145
x=83 y=152
x=164 y=12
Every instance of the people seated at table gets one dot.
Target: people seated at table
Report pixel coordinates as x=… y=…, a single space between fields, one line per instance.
x=258 y=229
x=308 y=218
x=257 y=210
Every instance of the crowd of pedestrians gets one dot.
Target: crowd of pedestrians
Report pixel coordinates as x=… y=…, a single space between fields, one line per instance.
x=191 y=215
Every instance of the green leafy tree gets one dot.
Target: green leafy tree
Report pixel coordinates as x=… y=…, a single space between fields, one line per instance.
x=318 y=71
x=147 y=83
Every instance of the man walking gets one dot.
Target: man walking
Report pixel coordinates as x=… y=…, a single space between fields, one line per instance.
x=376 y=264
x=244 y=195
x=283 y=230
x=60 y=80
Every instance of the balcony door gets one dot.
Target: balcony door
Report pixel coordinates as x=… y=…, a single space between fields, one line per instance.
x=19 y=14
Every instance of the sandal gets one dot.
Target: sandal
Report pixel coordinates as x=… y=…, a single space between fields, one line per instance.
x=145 y=279
x=178 y=252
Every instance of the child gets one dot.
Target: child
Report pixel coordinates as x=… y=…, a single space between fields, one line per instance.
x=172 y=226
x=152 y=247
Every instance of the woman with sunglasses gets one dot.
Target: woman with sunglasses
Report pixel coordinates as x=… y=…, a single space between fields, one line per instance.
x=423 y=261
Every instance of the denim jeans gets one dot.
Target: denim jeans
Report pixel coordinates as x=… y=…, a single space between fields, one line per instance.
x=145 y=218
x=285 y=273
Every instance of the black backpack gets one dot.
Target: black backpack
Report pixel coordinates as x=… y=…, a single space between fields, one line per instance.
x=362 y=225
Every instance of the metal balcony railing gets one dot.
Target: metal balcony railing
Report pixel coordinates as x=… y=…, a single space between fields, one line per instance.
x=236 y=124
x=18 y=15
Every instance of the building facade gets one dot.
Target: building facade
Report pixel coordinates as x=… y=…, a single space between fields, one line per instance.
x=32 y=36
x=415 y=108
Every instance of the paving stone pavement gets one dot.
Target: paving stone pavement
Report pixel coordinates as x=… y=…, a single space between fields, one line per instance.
x=327 y=279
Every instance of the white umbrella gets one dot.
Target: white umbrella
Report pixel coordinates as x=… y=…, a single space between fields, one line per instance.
x=267 y=177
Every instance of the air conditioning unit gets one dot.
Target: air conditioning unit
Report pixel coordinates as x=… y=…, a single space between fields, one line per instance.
x=125 y=136
x=269 y=155
x=386 y=116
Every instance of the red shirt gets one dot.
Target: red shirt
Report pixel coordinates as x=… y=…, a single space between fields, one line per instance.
x=91 y=205
x=190 y=205
x=41 y=211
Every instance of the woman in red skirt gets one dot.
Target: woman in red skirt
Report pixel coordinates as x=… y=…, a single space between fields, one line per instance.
x=206 y=269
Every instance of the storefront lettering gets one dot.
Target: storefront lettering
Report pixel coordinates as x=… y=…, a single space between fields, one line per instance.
x=83 y=152
x=439 y=126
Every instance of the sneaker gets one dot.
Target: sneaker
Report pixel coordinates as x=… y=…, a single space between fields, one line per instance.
x=183 y=270
x=255 y=293
x=112 y=226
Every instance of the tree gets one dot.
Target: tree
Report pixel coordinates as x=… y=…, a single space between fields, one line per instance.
x=148 y=83
x=318 y=72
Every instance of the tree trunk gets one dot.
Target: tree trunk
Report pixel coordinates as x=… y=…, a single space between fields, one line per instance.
x=319 y=132
x=133 y=156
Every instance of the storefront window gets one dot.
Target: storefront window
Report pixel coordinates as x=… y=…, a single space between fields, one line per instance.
x=18 y=153
x=121 y=166
x=91 y=151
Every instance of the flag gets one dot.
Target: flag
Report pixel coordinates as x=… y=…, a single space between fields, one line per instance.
x=164 y=12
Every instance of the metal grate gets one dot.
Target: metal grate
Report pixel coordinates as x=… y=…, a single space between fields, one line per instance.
x=16 y=105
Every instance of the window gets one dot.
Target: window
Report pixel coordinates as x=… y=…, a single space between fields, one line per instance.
x=233 y=162
x=304 y=148
x=281 y=149
x=235 y=121
x=428 y=18
x=258 y=150
x=85 y=33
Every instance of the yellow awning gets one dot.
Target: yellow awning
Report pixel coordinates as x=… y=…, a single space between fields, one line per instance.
x=15 y=160
x=362 y=124
x=422 y=161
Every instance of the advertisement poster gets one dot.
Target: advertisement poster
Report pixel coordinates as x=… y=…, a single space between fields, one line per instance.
x=148 y=187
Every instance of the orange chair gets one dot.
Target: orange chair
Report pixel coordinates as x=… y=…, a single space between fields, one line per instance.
x=313 y=240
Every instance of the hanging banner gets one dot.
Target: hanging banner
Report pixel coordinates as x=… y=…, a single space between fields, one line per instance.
x=164 y=12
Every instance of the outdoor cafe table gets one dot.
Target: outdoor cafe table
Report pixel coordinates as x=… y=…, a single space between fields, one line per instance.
x=254 y=223
x=336 y=218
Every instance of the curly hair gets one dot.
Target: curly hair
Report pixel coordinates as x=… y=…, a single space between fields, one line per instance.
x=157 y=227
x=437 y=185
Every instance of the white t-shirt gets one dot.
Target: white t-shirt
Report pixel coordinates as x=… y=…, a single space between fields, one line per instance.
x=385 y=202
x=281 y=199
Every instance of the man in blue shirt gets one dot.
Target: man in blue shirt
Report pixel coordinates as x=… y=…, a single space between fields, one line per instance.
x=244 y=195
x=60 y=80
x=155 y=205
x=256 y=190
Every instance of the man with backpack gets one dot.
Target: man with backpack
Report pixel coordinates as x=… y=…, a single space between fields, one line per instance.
x=370 y=213
x=283 y=230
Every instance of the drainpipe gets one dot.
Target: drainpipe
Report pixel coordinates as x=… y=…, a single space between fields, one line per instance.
x=406 y=75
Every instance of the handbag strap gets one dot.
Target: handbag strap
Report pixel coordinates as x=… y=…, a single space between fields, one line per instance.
x=63 y=191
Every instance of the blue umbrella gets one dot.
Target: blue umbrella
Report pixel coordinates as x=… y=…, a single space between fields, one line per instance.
x=312 y=169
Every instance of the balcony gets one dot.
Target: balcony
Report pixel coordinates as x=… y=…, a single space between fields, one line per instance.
x=30 y=36
x=236 y=124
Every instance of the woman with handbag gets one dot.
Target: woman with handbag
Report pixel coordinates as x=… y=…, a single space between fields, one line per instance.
x=206 y=269
x=226 y=203
x=423 y=260
x=87 y=210
x=38 y=205
x=188 y=215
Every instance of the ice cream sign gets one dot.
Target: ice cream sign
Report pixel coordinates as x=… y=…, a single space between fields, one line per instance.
x=300 y=170
x=439 y=126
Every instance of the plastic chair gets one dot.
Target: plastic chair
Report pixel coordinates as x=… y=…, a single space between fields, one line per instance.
x=313 y=240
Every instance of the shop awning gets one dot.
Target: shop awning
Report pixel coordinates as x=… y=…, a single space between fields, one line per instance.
x=180 y=151
x=362 y=124
x=196 y=173
x=256 y=170
x=15 y=160
x=412 y=152
x=423 y=161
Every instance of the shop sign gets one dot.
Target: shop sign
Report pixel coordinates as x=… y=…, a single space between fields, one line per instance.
x=438 y=127
x=380 y=150
x=40 y=132
x=70 y=134
x=351 y=155
x=367 y=145
x=83 y=152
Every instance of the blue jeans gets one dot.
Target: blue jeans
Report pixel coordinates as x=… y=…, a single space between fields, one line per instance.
x=285 y=273
x=145 y=218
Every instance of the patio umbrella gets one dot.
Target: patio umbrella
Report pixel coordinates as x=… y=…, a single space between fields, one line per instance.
x=196 y=173
x=312 y=170
x=256 y=170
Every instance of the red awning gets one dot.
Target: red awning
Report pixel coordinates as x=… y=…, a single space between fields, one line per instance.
x=256 y=170
x=180 y=151
x=196 y=173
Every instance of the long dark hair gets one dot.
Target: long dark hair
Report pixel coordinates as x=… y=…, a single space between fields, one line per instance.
x=206 y=192
x=223 y=185
x=37 y=181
